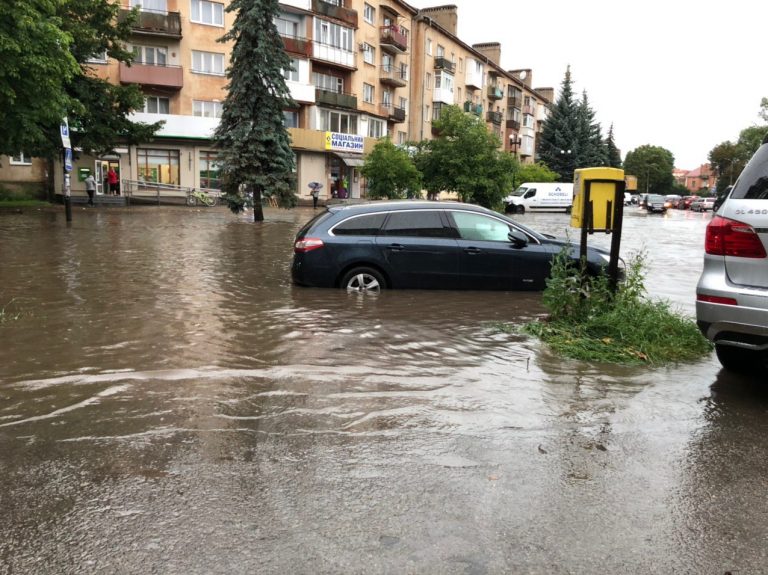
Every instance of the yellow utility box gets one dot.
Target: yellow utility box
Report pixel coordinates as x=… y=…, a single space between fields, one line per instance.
x=596 y=192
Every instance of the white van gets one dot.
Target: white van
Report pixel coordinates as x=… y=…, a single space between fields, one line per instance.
x=540 y=196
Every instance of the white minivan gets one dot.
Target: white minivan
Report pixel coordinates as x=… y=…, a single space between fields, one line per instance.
x=540 y=196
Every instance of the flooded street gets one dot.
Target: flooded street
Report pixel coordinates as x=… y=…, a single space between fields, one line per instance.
x=170 y=403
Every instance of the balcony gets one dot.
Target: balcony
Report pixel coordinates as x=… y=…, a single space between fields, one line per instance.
x=337 y=99
x=393 y=38
x=333 y=55
x=296 y=45
x=495 y=93
x=393 y=114
x=393 y=76
x=444 y=64
x=513 y=125
x=151 y=75
x=166 y=24
x=337 y=12
x=476 y=109
x=493 y=117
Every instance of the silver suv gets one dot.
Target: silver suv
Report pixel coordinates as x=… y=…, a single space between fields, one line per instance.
x=732 y=294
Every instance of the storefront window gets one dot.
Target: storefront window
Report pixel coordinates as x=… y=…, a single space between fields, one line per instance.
x=210 y=174
x=158 y=166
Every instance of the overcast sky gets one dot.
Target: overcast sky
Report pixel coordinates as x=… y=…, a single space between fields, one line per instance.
x=681 y=74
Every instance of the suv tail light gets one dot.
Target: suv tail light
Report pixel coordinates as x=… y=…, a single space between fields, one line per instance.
x=726 y=237
x=305 y=245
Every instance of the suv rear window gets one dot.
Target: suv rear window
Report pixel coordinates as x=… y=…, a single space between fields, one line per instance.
x=367 y=225
x=753 y=181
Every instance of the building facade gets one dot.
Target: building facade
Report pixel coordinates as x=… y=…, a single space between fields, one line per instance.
x=361 y=70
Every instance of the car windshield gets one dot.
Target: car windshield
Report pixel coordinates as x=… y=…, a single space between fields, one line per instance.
x=655 y=198
x=520 y=191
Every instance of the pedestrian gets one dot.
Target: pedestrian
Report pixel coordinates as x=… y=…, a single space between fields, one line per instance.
x=315 y=195
x=113 y=181
x=90 y=188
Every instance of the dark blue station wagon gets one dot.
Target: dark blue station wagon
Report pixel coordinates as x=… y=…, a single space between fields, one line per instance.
x=425 y=245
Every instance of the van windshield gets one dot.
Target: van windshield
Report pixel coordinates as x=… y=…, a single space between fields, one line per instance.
x=520 y=191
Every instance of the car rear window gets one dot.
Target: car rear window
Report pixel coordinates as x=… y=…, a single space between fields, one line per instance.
x=417 y=223
x=367 y=225
x=311 y=223
x=753 y=181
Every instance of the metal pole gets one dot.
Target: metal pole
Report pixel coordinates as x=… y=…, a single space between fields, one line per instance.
x=67 y=196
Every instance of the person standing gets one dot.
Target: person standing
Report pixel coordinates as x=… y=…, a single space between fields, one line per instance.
x=113 y=181
x=315 y=195
x=90 y=188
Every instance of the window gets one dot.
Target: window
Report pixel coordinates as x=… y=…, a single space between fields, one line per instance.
x=429 y=46
x=428 y=81
x=477 y=227
x=207 y=109
x=328 y=83
x=158 y=166
x=150 y=55
x=210 y=174
x=100 y=58
x=444 y=80
x=440 y=51
x=528 y=121
x=332 y=121
x=151 y=5
x=286 y=27
x=208 y=63
x=403 y=103
x=333 y=35
x=368 y=93
x=21 y=159
x=376 y=128
x=369 y=54
x=157 y=105
x=369 y=13
x=386 y=98
x=368 y=225
x=461 y=64
x=205 y=12
x=292 y=75
x=426 y=113
x=402 y=137
x=419 y=224
x=290 y=118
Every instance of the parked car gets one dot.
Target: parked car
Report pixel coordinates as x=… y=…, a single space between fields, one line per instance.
x=416 y=244
x=655 y=203
x=703 y=204
x=671 y=201
x=688 y=200
x=732 y=293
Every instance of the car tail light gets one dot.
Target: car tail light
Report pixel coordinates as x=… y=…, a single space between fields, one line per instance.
x=305 y=245
x=726 y=237
x=716 y=299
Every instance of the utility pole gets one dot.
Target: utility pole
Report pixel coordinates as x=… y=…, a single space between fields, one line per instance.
x=67 y=186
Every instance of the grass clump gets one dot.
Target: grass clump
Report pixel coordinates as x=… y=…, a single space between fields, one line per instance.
x=7 y=315
x=589 y=322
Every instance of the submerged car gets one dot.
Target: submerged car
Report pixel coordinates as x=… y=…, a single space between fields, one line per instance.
x=655 y=203
x=732 y=293
x=425 y=245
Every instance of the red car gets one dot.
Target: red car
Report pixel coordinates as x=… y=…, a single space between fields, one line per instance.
x=687 y=201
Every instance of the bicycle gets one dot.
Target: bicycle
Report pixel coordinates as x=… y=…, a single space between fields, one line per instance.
x=203 y=198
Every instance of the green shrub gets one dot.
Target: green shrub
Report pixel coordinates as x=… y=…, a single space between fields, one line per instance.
x=589 y=322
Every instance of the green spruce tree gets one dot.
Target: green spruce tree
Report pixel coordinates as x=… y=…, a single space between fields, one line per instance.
x=559 y=136
x=614 y=156
x=590 y=149
x=255 y=153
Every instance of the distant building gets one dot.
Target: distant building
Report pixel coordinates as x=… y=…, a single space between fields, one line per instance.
x=701 y=180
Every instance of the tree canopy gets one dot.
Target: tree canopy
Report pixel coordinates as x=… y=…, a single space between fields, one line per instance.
x=466 y=159
x=390 y=172
x=254 y=146
x=653 y=167
x=45 y=75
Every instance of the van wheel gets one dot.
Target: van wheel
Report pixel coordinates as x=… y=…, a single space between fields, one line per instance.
x=363 y=280
x=737 y=359
x=520 y=209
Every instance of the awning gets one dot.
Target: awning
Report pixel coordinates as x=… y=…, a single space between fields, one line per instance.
x=351 y=160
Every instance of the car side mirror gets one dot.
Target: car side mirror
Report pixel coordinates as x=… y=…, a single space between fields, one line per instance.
x=517 y=239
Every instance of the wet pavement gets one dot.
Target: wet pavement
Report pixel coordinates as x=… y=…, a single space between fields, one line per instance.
x=170 y=403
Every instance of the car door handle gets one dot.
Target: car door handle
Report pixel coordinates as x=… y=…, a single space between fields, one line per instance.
x=473 y=251
x=396 y=247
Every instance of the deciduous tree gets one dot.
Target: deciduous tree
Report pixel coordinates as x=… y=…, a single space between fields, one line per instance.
x=390 y=172
x=653 y=167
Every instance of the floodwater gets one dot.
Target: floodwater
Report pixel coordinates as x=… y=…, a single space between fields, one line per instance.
x=170 y=403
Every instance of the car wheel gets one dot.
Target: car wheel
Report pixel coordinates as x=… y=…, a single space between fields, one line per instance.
x=363 y=280
x=737 y=359
x=509 y=209
x=520 y=209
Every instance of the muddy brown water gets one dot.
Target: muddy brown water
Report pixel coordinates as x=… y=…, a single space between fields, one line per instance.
x=170 y=403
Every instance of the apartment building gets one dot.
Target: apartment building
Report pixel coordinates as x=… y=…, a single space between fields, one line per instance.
x=361 y=70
